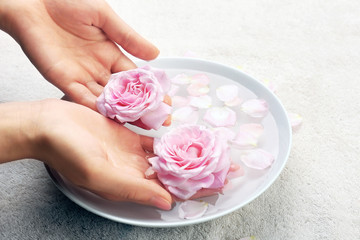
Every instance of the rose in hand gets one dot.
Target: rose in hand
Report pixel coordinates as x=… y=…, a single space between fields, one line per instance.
x=191 y=158
x=138 y=97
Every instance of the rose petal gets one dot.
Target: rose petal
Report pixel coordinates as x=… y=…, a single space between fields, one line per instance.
x=198 y=89
x=173 y=90
x=295 y=120
x=179 y=101
x=200 y=79
x=257 y=159
x=235 y=172
x=257 y=108
x=191 y=209
x=155 y=119
x=191 y=158
x=161 y=77
x=220 y=117
x=185 y=115
x=200 y=102
x=134 y=96
x=181 y=79
x=224 y=133
x=248 y=135
x=227 y=93
x=236 y=101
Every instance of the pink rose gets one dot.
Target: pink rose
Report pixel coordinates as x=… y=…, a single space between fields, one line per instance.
x=136 y=96
x=190 y=158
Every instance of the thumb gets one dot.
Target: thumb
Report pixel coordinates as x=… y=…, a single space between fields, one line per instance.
x=126 y=187
x=121 y=33
x=149 y=192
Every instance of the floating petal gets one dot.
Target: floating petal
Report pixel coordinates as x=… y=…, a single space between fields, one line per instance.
x=186 y=115
x=200 y=79
x=181 y=79
x=235 y=171
x=227 y=93
x=220 y=117
x=198 y=89
x=257 y=159
x=257 y=108
x=236 y=101
x=200 y=102
x=248 y=135
x=191 y=209
x=173 y=90
x=224 y=133
x=179 y=101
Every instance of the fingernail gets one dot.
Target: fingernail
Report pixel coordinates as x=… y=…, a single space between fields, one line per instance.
x=160 y=202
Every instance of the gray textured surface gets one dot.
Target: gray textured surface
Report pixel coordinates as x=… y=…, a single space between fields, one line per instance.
x=310 y=49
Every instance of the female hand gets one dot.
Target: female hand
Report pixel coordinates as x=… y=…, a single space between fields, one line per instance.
x=74 y=43
x=88 y=149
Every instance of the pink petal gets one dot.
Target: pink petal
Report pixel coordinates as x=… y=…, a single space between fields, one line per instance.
x=235 y=171
x=248 y=135
x=161 y=77
x=295 y=120
x=181 y=79
x=179 y=101
x=200 y=102
x=198 y=89
x=191 y=209
x=156 y=118
x=227 y=93
x=236 y=101
x=257 y=159
x=224 y=133
x=257 y=108
x=220 y=117
x=186 y=115
x=173 y=90
x=200 y=79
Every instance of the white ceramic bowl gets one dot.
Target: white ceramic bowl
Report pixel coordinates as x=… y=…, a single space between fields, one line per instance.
x=277 y=140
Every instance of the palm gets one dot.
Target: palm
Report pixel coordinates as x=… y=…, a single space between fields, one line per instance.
x=108 y=159
x=79 y=38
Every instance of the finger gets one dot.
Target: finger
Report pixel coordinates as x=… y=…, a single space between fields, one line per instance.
x=234 y=167
x=122 y=63
x=81 y=94
x=150 y=173
x=118 y=187
x=167 y=100
x=167 y=121
x=118 y=31
x=147 y=143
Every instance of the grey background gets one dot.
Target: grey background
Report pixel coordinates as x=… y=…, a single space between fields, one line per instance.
x=310 y=49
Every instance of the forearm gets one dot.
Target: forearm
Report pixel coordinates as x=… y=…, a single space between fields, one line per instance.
x=17 y=131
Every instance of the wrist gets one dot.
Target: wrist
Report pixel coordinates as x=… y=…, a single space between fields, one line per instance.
x=17 y=16
x=19 y=135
